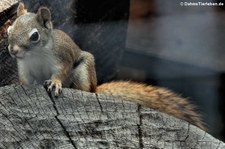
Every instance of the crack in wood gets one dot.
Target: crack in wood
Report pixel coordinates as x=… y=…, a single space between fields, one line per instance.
x=100 y=105
x=188 y=131
x=29 y=99
x=218 y=145
x=29 y=128
x=60 y=123
x=140 y=133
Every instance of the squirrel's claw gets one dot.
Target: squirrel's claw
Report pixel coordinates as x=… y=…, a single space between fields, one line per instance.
x=55 y=85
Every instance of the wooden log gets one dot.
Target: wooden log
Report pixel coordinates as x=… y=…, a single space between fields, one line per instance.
x=7 y=10
x=30 y=118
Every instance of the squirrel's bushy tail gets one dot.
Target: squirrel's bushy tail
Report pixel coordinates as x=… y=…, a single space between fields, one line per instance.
x=157 y=98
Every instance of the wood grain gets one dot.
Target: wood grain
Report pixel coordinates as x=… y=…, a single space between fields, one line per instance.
x=30 y=118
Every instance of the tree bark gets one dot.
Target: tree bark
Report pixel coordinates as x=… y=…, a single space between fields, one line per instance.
x=31 y=118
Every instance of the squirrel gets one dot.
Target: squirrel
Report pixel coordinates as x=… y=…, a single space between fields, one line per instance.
x=50 y=56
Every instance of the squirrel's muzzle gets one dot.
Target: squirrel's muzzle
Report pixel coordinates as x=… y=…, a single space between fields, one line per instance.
x=16 y=51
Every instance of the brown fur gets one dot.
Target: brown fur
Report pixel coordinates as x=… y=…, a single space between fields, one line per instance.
x=21 y=10
x=157 y=98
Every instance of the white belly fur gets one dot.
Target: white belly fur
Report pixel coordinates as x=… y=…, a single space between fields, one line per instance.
x=38 y=65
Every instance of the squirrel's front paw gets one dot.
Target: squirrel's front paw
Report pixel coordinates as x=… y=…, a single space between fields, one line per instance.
x=51 y=85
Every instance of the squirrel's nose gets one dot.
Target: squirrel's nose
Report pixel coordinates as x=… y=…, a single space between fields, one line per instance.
x=13 y=50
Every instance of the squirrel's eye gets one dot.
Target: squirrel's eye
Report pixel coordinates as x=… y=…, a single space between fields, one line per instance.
x=34 y=37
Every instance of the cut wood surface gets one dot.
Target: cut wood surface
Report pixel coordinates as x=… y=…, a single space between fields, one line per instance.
x=30 y=118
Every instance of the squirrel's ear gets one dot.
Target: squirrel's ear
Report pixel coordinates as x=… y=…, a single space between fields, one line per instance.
x=44 y=17
x=20 y=9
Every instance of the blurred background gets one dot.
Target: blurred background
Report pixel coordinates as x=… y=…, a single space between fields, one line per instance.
x=181 y=48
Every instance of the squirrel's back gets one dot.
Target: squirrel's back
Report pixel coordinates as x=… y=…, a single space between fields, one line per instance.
x=157 y=98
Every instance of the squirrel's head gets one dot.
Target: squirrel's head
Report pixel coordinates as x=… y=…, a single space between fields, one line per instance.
x=29 y=32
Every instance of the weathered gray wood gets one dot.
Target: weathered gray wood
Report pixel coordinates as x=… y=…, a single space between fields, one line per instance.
x=7 y=10
x=30 y=118
x=8 y=68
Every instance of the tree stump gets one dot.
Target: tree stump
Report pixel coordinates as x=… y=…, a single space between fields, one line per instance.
x=30 y=118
